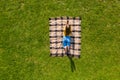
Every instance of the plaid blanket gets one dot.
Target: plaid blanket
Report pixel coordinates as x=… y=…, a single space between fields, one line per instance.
x=56 y=35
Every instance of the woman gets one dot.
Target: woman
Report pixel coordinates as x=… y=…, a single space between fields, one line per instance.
x=67 y=37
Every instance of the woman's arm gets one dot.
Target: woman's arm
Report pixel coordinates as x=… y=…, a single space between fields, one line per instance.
x=71 y=31
x=63 y=30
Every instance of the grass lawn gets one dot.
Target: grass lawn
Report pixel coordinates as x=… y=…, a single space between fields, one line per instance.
x=24 y=40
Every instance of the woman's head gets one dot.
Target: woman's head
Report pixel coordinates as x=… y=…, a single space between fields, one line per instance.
x=67 y=26
x=67 y=30
x=67 y=22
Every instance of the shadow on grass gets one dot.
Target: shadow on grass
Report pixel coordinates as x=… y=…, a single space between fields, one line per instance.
x=72 y=64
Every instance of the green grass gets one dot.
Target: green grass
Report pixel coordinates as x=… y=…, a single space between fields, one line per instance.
x=24 y=40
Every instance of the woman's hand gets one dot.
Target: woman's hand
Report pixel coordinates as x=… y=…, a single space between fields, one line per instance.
x=70 y=47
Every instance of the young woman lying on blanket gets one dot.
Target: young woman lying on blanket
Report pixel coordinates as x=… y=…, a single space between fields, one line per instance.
x=67 y=33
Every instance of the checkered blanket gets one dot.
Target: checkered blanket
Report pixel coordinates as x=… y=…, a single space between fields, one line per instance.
x=56 y=35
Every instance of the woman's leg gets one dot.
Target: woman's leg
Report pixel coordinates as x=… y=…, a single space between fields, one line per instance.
x=66 y=49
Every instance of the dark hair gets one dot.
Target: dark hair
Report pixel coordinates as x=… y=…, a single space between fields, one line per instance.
x=67 y=30
x=67 y=21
